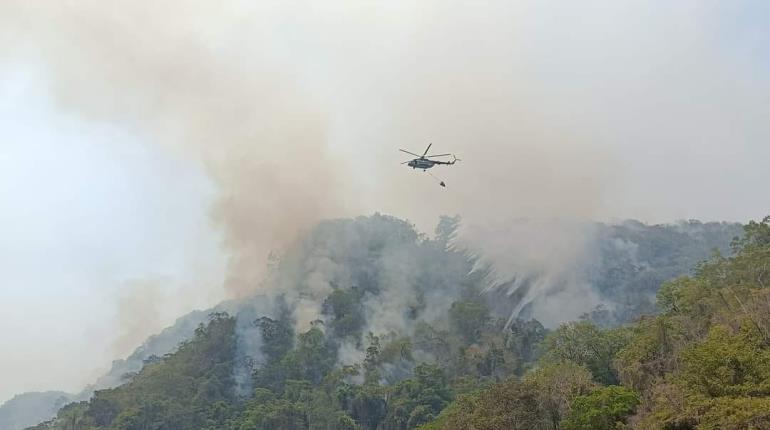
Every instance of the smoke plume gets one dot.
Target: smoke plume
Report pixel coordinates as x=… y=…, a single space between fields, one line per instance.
x=204 y=88
x=224 y=87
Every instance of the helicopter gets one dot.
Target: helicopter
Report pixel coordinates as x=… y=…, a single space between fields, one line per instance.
x=424 y=161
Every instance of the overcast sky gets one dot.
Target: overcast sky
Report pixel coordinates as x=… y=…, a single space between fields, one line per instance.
x=151 y=155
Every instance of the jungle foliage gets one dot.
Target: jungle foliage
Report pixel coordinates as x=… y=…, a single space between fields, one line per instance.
x=701 y=362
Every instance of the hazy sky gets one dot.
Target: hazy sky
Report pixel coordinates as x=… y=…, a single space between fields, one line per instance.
x=151 y=155
x=86 y=215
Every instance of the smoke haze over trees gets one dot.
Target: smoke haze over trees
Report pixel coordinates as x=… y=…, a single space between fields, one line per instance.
x=379 y=298
x=159 y=158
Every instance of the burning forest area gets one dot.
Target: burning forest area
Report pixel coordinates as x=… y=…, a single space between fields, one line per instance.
x=357 y=215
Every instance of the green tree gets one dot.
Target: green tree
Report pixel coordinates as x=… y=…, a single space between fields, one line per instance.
x=588 y=345
x=556 y=385
x=468 y=318
x=277 y=337
x=606 y=408
x=418 y=400
x=268 y=412
x=506 y=406
x=523 y=340
x=346 y=312
x=315 y=354
x=727 y=364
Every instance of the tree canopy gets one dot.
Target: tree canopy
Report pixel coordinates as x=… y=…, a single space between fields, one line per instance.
x=434 y=354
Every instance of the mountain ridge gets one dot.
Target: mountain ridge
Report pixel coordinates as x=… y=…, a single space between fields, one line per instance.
x=378 y=228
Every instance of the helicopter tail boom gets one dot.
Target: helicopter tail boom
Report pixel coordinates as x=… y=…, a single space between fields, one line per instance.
x=448 y=163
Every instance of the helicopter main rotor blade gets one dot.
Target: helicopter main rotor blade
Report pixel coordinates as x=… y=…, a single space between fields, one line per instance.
x=407 y=161
x=427 y=149
x=439 y=155
x=410 y=153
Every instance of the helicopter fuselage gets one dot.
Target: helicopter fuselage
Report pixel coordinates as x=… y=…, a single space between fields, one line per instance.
x=421 y=163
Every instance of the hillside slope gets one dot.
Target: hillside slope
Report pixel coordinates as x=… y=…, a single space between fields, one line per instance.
x=368 y=324
x=702 y=363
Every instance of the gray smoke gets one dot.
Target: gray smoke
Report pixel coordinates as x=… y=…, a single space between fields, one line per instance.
x=248 y=347
x=282 y=148
x=262 y=139
x=541 y=264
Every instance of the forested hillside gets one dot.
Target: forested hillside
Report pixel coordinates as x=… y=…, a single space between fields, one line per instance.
x=367 y=324
x=702 y=363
